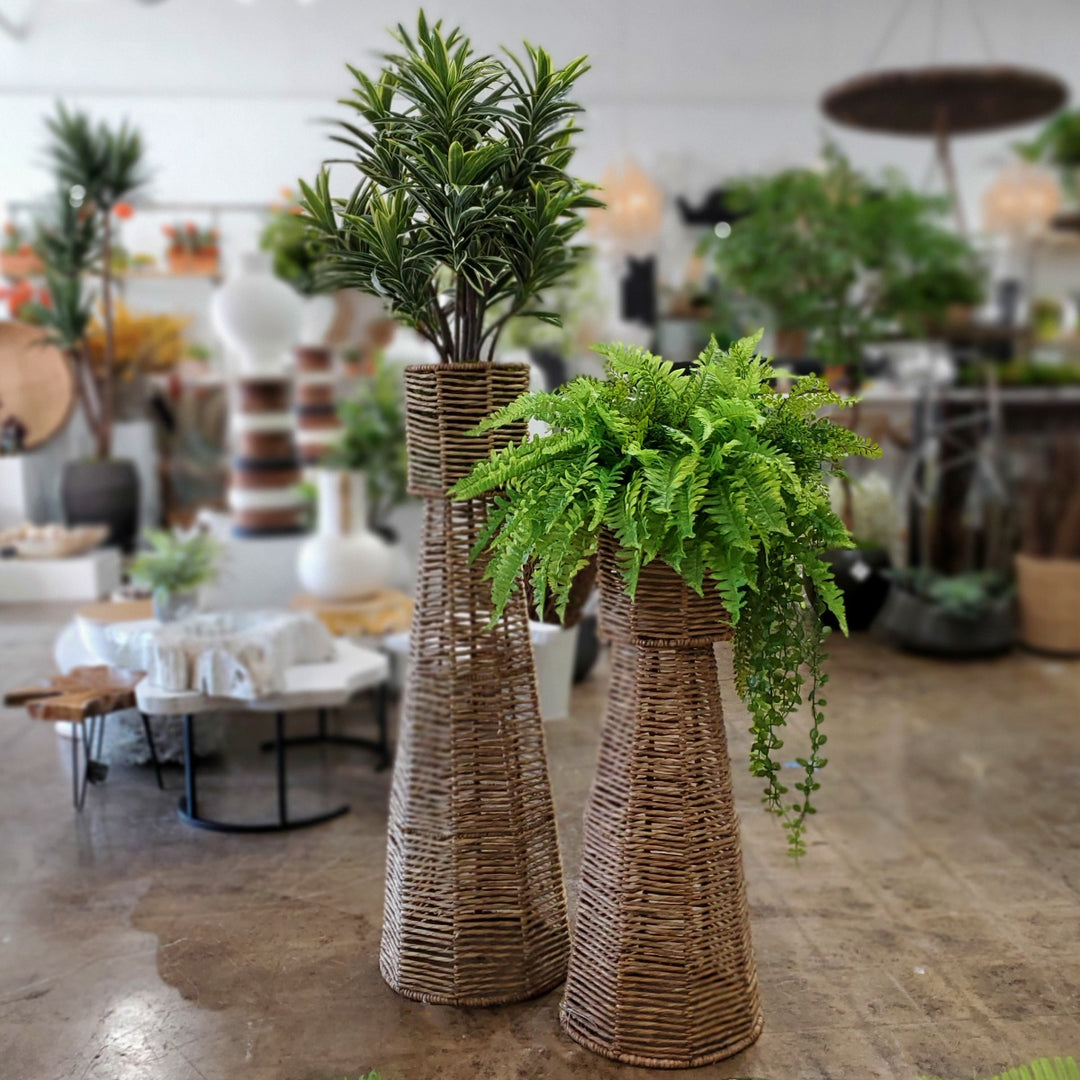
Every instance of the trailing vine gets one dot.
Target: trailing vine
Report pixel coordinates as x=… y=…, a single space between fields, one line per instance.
x=717 y=474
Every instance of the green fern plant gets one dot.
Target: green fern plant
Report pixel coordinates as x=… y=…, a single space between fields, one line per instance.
x=715 y=473
x=464 y=213
x=1042 y=1069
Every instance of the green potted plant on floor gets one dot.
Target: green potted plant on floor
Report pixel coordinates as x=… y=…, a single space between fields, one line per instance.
x=96 y=169
x=705 y=496
x=463 y=215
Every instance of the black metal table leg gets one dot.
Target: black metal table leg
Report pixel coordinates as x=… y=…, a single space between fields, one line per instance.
x=188 y=808
x=153 y=749
x=381 y=693
x=282 y=795
x=189 y=805
x=77 y=796
x=322 y=737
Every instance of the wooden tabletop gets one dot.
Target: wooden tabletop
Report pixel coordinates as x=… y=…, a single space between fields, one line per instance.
x=117 y=611
x=81 y=693
x=386 y=611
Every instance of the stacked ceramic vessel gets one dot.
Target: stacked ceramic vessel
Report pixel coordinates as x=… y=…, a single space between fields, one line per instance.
x=317 y=423
x=263 y=493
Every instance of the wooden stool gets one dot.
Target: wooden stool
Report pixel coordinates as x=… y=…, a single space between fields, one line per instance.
x=86 y=696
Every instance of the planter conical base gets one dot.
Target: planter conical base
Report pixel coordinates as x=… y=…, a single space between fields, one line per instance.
x=662 y=971
x=475 y=908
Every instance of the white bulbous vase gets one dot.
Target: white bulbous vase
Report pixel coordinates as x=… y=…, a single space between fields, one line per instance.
x=258 y=316
x=344 y=559
x=316 y=319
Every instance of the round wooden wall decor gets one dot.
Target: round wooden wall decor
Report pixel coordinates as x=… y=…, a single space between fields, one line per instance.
x=37 y=382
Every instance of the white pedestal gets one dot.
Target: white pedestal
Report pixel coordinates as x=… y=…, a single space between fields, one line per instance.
x=16 y=501
x=87 y=577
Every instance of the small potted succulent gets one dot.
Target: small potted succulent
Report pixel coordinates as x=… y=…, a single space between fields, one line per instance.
x=704 y=496
x=192 y=249
x=17 y=256
x=174 y=569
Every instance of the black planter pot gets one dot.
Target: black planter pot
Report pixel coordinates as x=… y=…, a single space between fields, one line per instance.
x=103 y=493
x=921 y=626
x=862 y=576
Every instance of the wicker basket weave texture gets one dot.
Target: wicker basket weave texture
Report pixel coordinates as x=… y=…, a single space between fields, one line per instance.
x=475 y=907
x=662 y=970
x=444 y=403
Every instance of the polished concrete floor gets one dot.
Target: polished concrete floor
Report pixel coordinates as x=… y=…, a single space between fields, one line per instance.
x=933 y=928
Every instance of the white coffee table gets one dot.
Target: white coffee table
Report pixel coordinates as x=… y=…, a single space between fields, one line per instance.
x=307 y=686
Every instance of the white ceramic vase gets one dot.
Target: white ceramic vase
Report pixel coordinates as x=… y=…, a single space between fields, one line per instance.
x=258 y=316
x=344 y=559
x=316 y=319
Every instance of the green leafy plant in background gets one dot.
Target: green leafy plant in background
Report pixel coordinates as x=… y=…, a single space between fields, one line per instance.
x=96 y=168
x=833 y=253
x=967 y=596
x=1057 y=144
x=715 y=473
x=176 y=563
x=373 y=439
x=1059 y=1068
x=1023 y=371
x=465 y=212
x=294 y=248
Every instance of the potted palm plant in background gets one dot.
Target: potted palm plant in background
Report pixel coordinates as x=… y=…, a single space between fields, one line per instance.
x=96 y=168
x=464 y=213
x=705 y=497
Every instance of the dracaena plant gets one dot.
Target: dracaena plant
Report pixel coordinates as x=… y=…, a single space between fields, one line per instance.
x=465 y=212
x=715 y=473
x=96 y=168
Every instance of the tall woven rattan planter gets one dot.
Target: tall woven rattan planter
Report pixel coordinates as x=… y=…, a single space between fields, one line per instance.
x=661 y=970
x=475 y=906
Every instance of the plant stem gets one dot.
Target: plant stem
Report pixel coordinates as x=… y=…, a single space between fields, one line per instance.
x=104 y=427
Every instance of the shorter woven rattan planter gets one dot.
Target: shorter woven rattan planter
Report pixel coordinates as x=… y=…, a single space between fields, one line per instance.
x=1048 y=591
x=475 y=908
x=662 y=971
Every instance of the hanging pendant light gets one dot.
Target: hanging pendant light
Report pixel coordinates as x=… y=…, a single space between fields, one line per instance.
x=1021 y=201
x=633 y=216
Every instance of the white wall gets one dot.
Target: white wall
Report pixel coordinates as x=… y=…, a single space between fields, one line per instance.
x=229 y=94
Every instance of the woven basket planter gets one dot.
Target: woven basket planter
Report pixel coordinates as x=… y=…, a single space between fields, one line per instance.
x=475 y=907
x=1048 y=591
x=662 y=972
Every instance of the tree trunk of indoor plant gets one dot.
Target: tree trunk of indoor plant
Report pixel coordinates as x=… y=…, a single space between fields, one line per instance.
x=475 y=909
x=662 y=972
